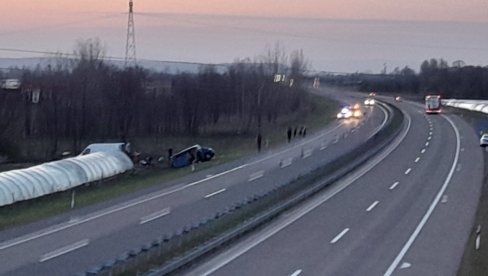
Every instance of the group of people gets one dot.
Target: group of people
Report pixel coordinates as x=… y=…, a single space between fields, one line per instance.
x=293 y=132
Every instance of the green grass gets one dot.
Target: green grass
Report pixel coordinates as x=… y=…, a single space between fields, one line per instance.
x=227 y=147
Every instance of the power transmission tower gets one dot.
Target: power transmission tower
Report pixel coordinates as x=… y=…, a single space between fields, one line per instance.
x=130 y=46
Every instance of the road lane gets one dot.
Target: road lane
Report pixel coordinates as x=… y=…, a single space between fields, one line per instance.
x=374 y=240
x=187 y=203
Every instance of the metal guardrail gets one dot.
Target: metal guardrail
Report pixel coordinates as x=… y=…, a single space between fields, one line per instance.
x=176 y=250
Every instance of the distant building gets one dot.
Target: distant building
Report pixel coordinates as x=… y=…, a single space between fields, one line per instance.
x=159 y=88
x=10 y=84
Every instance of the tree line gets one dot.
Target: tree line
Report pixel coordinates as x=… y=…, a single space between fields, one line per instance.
x=436 y=76
x=84 y=98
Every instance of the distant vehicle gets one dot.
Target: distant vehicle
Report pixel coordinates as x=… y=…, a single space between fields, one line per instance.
x=107 y=147
x=433 y=104
x=369 y=101
x=356 y=111
x=484 y=140
x=193 y=154
x=11 y=84
x=350 y=112
x=345 y=113
x=372 y=94
x=398 y=98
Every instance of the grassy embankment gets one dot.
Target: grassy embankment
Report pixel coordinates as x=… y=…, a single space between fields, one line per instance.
x=475 y=262
x=227 y=147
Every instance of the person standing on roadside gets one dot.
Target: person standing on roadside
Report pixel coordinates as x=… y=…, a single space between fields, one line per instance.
x=170 y=154
x=259 y=140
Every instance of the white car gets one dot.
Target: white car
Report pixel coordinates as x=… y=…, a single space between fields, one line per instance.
x=345 y=113
x=369 y=101
x=484 y=140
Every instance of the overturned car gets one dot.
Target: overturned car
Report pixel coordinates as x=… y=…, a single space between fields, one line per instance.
x=193 y=154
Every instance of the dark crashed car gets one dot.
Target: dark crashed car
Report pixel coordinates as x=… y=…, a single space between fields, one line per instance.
x=193 y=154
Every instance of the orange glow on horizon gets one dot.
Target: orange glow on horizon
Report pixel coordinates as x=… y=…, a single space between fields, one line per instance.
x=28 y=12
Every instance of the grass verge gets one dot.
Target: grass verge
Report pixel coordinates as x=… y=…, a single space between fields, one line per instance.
x=475 y=262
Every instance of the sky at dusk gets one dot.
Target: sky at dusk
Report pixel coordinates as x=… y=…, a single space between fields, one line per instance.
x=335 y=35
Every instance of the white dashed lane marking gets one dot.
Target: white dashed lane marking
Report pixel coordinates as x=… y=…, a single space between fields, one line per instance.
x=64 y=250
x=296 y=273
x=393 y=186
x=339 y=236
x=371 y=207
x=256 y=175
x=155 y=215
x=215 y=193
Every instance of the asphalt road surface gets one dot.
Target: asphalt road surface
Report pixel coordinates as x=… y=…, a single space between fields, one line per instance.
x=407 y=212
x=73 y=242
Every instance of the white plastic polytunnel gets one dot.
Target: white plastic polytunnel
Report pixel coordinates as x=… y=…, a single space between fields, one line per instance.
x=97 y=164
x=473 y=105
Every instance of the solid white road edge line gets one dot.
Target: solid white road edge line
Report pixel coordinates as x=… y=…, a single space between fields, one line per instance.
x=64 y=250
x=228 y=256
x=339 y=236
x=432 y=206
x=155 y=215
x=215 y=193
x=372 y=206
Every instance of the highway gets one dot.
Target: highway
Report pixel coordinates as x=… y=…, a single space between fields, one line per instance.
x=407 y=212
x=71 y=243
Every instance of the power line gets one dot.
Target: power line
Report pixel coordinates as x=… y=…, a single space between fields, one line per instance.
x=107 y=58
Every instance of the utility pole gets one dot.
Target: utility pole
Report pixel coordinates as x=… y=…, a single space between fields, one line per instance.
x=130 y=46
